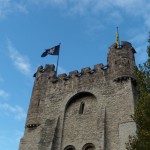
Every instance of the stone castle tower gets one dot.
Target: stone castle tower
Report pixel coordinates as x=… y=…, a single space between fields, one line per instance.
x=87 y=110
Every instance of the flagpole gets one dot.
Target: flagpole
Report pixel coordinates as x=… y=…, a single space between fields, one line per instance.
x=57 y=61
x=57 y=65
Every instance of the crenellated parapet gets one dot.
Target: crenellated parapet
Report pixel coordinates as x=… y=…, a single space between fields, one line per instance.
x=120 y=66
x=49 y=73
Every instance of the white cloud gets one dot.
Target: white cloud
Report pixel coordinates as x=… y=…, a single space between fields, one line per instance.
x=116 y=16
x=131 y=7
x=79 y=7
x=4 y=8
x=115 y=11
x=99 y=5
x=134 y=8
x=3 y=93
x=21 y=8
x=16 y=111
x=93 y=26
x=45 y=2
x=11 y=6
x=20 y=61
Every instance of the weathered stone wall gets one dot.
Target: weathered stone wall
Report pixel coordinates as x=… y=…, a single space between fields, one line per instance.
x=108 y=93
x=81 y=126
x=121 y=61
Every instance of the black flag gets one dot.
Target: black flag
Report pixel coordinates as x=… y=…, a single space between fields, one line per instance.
x=52 y=51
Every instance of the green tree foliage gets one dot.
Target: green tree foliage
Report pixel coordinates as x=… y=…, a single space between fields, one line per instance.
x=142 y=113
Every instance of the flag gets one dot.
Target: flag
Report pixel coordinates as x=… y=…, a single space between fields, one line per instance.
x=52 y=51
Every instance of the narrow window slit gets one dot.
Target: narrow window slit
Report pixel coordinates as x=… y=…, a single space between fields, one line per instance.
x=81 y=110
x=38 y=102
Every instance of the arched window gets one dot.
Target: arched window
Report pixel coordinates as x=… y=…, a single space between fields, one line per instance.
x=69 y=147
x=89 y=146
x=81 y=109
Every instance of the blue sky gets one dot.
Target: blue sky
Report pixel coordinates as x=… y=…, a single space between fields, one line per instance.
x=85 y=28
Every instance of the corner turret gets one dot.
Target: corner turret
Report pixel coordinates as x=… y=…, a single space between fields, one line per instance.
x=121 y=61
x=38 y=93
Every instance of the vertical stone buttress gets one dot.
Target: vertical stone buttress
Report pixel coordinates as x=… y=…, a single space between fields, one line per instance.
x=36 y=109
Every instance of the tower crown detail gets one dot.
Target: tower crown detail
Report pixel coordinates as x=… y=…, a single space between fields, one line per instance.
x=121 y=61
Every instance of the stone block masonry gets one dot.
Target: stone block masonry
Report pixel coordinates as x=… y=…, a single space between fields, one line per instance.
x=87 y=109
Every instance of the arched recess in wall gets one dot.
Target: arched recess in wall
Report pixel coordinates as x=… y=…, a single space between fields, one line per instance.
x=69 y=147
x=77 y=96
x=81 y=114
x=88 y=146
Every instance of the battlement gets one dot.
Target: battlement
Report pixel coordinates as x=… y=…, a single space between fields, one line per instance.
x=120 y=65
x=50 y=73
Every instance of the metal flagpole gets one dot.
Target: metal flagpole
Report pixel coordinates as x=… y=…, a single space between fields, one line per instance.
x=57 y=60
x=57 y=65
